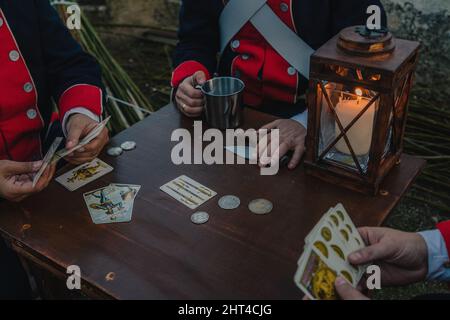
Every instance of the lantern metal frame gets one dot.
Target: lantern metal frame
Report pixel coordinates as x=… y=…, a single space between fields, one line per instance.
x=384 y=66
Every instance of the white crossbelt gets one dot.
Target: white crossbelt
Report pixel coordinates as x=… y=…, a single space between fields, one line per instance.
x=285 y=41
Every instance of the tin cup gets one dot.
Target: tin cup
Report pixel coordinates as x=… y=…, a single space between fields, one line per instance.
x=223 y=102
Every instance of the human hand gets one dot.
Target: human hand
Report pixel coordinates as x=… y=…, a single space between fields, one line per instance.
x=78 y=127
x=189 y=99
x=16 y=179
x=347 y=292
x=292 y=137
x=402 y=256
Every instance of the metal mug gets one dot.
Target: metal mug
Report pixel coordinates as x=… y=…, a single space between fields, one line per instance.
x=223 y=102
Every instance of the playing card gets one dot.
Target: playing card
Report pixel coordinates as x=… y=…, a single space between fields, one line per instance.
x=86 y=140
x=244 y=152
x=47 y=159
x=316 y=278
x=325 y=256
x=106 y=205
x=84 y=174
x=328 y=245
x=189 y=192
x=129 y=191
x=347 y=229
x=321 y=222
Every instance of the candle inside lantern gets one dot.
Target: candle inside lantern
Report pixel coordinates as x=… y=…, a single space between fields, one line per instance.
x=360 y=134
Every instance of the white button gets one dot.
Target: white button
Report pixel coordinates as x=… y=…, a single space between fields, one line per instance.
x=291 y=71
x=235 y=44
x=31 y=114
x=14 y=55
x=245 y=57
x=28 y=87
x=1 y=22
x=284 y=7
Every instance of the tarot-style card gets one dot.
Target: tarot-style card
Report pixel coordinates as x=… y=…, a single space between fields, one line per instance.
x=84 y=174
x=189 y=192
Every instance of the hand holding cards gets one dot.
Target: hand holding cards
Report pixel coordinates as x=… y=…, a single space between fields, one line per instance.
x=85 y=141
x=48 y=159
x=327 y=247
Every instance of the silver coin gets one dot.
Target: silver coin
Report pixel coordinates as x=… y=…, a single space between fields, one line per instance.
x=114 y=151
x=200 y=218
x=229 y=202
x=260 y=206
x=128 y=145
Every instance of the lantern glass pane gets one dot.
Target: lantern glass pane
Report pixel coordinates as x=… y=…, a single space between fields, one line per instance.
x=356 y=110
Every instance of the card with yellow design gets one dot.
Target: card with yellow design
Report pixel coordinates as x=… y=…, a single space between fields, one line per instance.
x=325 y=255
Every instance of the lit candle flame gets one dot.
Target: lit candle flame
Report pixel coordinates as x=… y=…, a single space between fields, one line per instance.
x=359 y=93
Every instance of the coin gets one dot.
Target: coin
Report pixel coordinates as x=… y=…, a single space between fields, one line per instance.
x=260 y=206
x=114 y=151
x=128 y=145
x=229 y=202
x=200 y=218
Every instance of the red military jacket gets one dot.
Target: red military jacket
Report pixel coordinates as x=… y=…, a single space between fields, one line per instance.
x=39 y=61
x=267 y=75
x=444 y=228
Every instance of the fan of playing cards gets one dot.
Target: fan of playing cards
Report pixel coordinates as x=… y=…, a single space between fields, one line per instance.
x=324 y=258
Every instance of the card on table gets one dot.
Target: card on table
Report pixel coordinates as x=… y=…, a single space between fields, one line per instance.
x=112 y=204
x=188 y=191
x=47 y=159
x=84 y=174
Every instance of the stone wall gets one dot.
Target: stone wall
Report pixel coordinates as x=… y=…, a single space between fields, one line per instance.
x=427 y=6
x=164 y=13
x=155 y=13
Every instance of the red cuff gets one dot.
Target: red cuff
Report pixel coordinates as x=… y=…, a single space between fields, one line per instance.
x=444 y=228
x=187 y=69
x=81 y=95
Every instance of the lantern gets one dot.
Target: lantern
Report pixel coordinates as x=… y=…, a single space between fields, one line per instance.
x=359 y=88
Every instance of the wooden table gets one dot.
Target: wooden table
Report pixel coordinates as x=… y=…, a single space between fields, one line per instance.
x=161 y=254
